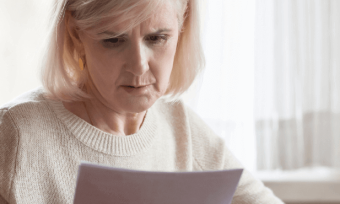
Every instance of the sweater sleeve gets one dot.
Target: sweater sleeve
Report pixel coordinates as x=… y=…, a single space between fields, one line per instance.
x=250 y=189
x=211 y=153
x=8 y=151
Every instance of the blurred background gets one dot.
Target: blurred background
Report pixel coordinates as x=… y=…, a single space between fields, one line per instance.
x=271 y=87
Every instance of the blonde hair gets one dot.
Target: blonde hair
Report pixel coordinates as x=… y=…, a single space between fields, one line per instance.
x=61 y=76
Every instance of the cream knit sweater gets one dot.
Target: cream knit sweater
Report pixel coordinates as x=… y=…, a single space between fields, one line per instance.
x=42 y=144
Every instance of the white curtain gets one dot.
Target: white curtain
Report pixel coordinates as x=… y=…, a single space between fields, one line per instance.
x=223 y=97
x=297 y=83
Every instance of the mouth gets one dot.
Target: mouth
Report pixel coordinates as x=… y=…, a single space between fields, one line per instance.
x=136 y=90
x=138 y=86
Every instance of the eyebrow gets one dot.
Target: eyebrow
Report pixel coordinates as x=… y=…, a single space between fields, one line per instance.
x=162 y=30
x=113 y=34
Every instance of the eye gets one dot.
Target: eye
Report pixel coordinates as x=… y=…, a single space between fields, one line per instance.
x=157 y=39
x=113 y=42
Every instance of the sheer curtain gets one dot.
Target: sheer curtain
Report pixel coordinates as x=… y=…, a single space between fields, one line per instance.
x=223 y=96
x=297 y=83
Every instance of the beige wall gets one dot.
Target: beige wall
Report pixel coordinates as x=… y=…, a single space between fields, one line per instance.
x=23 y=31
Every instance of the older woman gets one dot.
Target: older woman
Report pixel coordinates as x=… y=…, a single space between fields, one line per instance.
x=113 y=73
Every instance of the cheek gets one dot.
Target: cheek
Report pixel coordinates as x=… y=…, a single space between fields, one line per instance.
x=100 y=66
x=164 y=62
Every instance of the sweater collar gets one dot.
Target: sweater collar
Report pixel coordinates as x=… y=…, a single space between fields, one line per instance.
x=105 y=142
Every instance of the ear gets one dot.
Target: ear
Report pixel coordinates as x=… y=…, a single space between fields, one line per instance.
x=73 y=33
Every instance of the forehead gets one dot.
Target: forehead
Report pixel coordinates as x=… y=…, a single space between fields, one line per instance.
x=164 y=17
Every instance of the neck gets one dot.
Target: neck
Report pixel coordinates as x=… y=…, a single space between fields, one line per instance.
x=106 y=119
x=113 y=122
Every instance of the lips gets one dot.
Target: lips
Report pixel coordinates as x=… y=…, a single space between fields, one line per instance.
x=136 y=89
x=136 y=86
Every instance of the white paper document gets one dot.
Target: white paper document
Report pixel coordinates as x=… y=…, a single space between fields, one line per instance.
x=102 y=184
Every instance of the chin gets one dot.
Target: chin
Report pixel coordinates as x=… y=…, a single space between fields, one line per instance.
x=138 y=105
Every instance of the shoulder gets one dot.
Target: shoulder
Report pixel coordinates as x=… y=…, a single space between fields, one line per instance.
x=27 y=106
x=22 y=108
x=22 y=115
x=209 y=151
x=32 y=96
x=172 y=109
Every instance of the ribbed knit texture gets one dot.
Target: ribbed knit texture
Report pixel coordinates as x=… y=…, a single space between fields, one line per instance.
x=42 y=144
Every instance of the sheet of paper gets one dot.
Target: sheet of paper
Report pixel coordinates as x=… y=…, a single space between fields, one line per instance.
x=103 y=184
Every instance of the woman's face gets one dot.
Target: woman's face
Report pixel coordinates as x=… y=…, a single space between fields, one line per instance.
x=130 y=72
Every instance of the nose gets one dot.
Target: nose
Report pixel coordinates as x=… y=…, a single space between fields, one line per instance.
x=137 y=59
